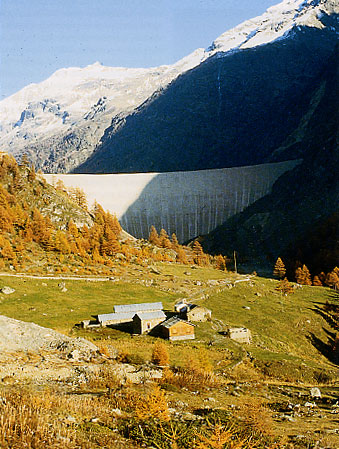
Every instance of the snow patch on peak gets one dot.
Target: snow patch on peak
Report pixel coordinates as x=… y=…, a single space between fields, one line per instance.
x=274 y=24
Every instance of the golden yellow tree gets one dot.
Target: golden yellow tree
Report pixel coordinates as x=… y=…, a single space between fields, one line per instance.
x=279 y=270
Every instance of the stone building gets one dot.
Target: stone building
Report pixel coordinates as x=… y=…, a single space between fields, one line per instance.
x=239 y=334
x=198 y=313
x=144 y=322
x=124 y=313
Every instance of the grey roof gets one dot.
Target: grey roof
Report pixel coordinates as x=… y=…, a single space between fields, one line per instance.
x=151 y=315
x=138 y=307
x=174 y=320
x=115 y=316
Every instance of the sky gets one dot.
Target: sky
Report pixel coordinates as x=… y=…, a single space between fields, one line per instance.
x=39 y=37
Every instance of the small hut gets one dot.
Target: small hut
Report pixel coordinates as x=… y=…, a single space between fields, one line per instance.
x=177 y=329
x=198 y=313
x=144 y=322
x=239 y=334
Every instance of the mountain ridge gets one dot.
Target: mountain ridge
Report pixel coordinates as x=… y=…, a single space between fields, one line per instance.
x=60 y=136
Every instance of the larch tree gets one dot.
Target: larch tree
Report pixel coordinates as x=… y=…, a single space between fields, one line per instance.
x=284 y=287
x=153 y=236
x=303 y=276
x=279 y=269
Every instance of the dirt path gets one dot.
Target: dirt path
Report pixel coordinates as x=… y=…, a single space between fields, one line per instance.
x=62 y=278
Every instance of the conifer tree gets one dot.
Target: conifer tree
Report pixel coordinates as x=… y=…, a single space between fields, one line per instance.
x=220 y=262
x=154 y=237
x=199 y=257
x=160 y=355
x=279 y=269
x=181 y=256
x=317 y=281
x=285 y=287
x=175 y=243
x=303 y=276
x=332 y=279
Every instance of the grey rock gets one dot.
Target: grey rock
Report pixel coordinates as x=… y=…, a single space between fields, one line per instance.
x=315 y=393
x=7 y=290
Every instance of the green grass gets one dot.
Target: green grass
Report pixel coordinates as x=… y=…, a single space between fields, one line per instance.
x=42 y=302
x=280 y=325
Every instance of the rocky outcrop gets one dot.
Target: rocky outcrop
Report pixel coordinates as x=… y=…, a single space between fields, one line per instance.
x=18 y=335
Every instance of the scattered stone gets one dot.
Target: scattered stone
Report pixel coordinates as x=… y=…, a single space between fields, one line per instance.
x=7 y=290
x=315 y=393
x=247 y=308
x=95 y=420
x=188 y=273
x=44 y=284
x=71 y=418
x=310 y=404
x=62 y=287
x=117 y=411
x=258 y=294
x=154 y=270
x=74 y=355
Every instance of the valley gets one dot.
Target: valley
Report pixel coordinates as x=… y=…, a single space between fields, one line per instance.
x=169 y=246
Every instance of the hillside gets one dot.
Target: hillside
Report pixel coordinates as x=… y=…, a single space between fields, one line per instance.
x=234 y=109
x=263 y=390
x=299 y=219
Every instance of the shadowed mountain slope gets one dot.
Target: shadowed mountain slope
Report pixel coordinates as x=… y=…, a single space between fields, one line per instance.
x=299 y=219
x=234 y=109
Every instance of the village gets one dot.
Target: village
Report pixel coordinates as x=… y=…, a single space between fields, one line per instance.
x=150 y=318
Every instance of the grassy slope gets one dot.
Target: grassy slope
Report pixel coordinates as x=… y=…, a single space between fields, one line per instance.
x=43 y=302
x=281 y=326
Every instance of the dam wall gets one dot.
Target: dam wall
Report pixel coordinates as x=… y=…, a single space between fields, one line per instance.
x=188 y=203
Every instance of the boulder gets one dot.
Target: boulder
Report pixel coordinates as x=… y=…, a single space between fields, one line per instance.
x=7 y=290
x=315 y=393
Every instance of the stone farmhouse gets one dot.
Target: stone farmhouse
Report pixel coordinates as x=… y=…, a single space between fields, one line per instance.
x=125 y=313
x=198 y=313
x=144 y=322
x=192 y=312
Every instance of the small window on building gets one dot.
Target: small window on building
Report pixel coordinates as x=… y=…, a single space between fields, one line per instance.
x=148 y=325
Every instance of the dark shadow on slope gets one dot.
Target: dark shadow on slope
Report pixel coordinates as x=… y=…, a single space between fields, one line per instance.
x=234 y=109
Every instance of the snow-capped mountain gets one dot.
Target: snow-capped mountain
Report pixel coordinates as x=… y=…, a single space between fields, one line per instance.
x=73 y=107
x=61 y=120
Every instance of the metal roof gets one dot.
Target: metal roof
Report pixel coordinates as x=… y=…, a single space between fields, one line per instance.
x=174 y=320
x=151 y=315
x=138 y=307
x=115 y=316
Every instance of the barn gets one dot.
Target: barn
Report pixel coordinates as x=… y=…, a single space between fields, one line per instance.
x=177 y=329
x=124 y=313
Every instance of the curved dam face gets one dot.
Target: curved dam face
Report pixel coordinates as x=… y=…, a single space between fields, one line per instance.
x=188 y=203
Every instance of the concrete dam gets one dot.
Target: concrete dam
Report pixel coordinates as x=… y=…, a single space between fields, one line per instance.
x=188 y=203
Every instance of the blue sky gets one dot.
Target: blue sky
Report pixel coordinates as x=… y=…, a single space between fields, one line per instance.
x=40 y=36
